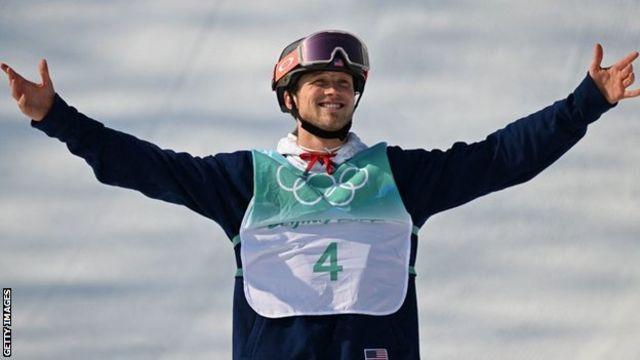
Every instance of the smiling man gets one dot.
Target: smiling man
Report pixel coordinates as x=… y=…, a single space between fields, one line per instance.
x=328 y=98
x=325 y=227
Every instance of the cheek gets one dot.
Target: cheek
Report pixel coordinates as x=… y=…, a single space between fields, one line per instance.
x=310 y=97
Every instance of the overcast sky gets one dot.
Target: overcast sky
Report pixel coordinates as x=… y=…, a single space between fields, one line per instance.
x=545 y=270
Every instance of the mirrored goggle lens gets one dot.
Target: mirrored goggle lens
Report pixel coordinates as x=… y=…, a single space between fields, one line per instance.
x=323 y=46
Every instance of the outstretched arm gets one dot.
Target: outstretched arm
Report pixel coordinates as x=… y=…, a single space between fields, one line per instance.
x=514 y=154
x=218 y=187
x=614 y=81
x=34 y=100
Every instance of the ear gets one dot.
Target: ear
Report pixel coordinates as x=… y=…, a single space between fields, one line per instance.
x=289 y=100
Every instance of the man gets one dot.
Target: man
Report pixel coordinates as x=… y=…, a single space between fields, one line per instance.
x=325 y=227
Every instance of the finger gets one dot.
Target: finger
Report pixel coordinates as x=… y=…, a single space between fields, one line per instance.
x=13 y=75
x=16 y=92
x=626 y=60
x=629 y=80
x=626 y=71
x=44 y=73
x=8 y=71
x=22 y=101
x=5 y=68
x=14 y=84
x=632 y=93
x=20 y=81
x=597 y=58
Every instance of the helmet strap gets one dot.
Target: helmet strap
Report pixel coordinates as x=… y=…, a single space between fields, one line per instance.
x=321 y=133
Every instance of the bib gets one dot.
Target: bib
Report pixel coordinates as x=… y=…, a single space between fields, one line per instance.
x=320 y=244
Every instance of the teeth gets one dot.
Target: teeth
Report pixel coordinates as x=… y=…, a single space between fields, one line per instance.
x=331 y=105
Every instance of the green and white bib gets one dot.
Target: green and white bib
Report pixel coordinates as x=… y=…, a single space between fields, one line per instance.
x=319 y=244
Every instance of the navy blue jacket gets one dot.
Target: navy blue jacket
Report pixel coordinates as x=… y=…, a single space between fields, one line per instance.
x=221 y=186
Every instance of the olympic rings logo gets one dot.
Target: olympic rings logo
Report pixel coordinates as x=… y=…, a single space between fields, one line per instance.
x=329 y=193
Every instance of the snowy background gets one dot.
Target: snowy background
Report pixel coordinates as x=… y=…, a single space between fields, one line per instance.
x=545 y=270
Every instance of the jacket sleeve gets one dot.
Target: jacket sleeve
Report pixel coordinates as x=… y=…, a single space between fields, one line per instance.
x=218 y=187
x=433 y=181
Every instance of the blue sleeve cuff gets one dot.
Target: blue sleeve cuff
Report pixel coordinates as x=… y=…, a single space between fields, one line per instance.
x=65 y=123
x=54 y=124
x=590 y=100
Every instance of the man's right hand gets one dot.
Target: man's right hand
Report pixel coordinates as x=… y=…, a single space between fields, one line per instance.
x=34 y=100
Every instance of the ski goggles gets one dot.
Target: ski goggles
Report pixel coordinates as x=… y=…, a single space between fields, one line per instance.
x=320 y=49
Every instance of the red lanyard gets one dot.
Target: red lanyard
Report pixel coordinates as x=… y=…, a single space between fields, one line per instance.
x=312 y=158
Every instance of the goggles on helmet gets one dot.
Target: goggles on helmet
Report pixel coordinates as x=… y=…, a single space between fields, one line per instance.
x=319 y=50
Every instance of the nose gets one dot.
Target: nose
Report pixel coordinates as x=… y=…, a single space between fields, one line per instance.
x=332 y=87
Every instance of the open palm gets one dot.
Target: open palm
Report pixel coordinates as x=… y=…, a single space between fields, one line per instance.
x=614 y=81
x=34 y=100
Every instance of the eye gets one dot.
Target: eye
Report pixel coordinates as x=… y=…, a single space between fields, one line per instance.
x=344 y=84
x=320 y=82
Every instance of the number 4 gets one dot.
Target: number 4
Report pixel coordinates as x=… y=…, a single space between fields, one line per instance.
x=331 y=253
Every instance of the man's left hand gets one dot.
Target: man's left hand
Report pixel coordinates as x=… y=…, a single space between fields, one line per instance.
x=613 y=81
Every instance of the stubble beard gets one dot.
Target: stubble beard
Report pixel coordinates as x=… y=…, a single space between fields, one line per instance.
x=333 y=124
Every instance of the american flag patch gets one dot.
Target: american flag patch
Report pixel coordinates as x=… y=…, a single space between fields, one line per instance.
x=376 y=354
